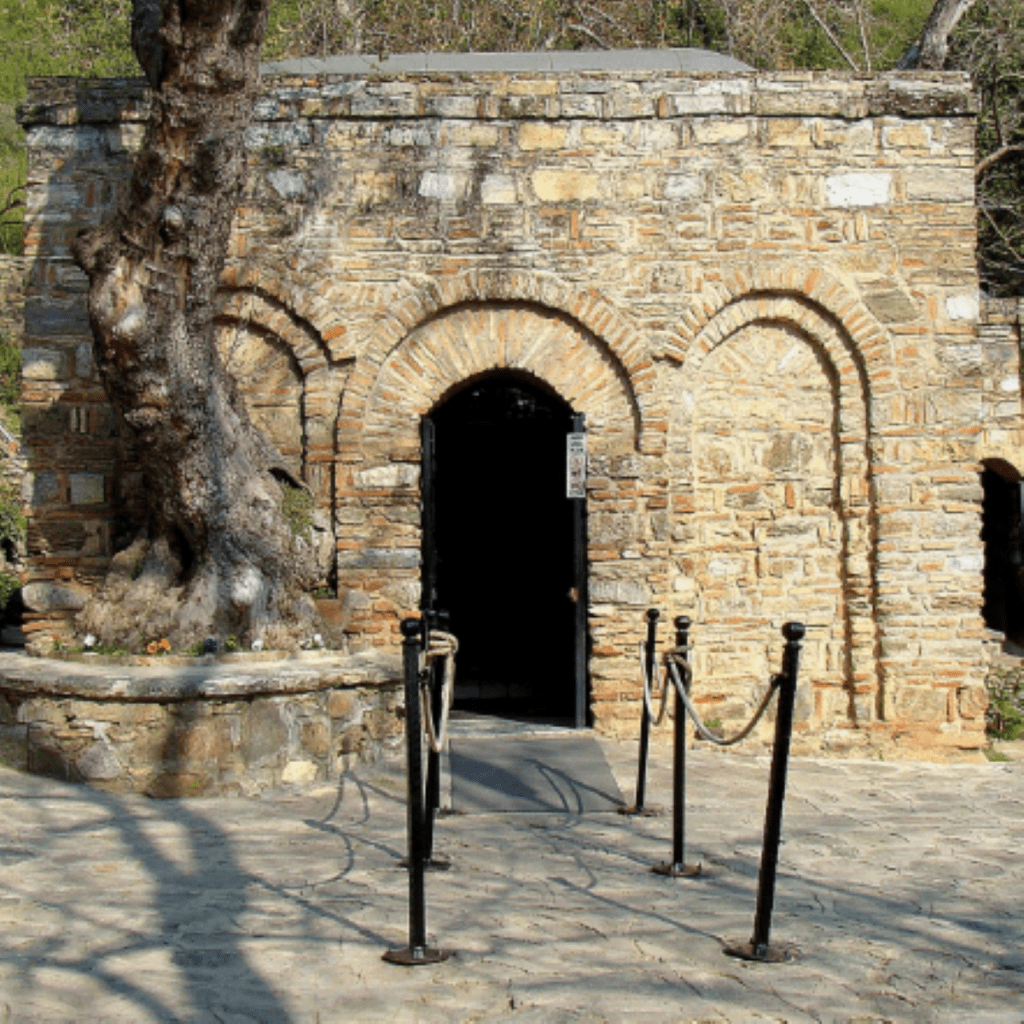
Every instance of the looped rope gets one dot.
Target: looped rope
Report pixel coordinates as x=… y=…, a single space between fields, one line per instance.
x=440 y=645
x=674 y=660
x=656 y=719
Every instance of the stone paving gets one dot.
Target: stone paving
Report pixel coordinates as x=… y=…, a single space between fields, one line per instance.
x=900 y=884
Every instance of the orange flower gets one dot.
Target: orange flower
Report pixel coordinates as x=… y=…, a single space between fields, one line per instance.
x=151 y=647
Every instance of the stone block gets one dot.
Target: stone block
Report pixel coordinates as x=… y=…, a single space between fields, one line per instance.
x=920 y=704
x=299 y=773
x=46 y=488
x=14 y=746
x=342 y=704
x=87 y=488
x=99 y=762
x=445 y=185
x=498 y=190
x=315 y=738
x=49 y=597
x=43 y=364
x=972 y=701
x=542 y=136
x=934 y=184
x=563 y=186
x=851 y=189
x=264 y=733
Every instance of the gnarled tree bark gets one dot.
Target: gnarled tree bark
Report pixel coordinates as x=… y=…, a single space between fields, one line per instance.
x=223 y=554
x=929 y=52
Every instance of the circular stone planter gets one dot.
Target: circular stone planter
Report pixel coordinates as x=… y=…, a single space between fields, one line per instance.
x=175 y=726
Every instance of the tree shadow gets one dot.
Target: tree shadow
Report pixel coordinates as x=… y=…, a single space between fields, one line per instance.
x=177 y=908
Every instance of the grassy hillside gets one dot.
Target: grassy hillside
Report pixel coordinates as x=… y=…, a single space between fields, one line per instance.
x=51 y=37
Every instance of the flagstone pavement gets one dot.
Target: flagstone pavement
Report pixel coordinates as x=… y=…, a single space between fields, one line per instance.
x=901 y=885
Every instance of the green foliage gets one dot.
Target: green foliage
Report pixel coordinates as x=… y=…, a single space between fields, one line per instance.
x=51 y=37
x=10 y=584
x=1005 y=715
x=10 y=377
x=297 y=507
x=989 y=43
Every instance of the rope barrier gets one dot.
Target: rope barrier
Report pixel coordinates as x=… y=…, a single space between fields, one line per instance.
x=656 y=719
x=440 y=645
x=674 y=661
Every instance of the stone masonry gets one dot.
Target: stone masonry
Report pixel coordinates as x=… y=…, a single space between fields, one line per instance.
x=760 y=290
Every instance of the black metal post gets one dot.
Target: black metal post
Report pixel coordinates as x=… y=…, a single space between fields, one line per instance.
x=678 y=868
x=440 y=620
x=759 y=948
x=650 y=661
x=417 y=952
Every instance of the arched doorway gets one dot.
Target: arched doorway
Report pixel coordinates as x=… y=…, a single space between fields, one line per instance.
x=1001 y=531
x=503 y=546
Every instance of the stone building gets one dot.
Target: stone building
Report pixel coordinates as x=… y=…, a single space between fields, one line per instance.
x=755 y=293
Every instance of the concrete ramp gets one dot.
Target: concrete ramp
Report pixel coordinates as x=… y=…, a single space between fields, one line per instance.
x=564 y=773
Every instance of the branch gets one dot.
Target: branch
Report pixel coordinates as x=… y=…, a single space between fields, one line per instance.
x=995 y=156
x=863 y=35
x=1002 y=236
x=929 y=51
x=10 y=203
x=574 y=26
x=831 y=36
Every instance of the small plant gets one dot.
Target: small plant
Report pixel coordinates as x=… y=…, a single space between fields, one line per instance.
x=713 y=723
x=231 y=644
x=297 y=506
x=159 y=647
x=1005 y=715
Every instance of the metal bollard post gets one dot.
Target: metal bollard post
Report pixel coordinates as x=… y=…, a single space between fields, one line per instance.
x=417 y=952
x=651 y=660
x=435 y=620
x=758 y=948
x=678 y=868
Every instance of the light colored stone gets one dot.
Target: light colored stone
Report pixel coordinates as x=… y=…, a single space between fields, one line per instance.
x=447 y=185
x=858 y=188
x=498 y=190
x=299 y=773
x=561 y=186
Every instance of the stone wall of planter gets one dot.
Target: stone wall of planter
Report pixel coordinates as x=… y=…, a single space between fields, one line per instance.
x=190 y=727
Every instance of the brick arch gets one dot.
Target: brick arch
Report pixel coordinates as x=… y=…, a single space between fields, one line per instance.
x=844 y=364
x=471 y=340
x=824 y=298
x=626 y=348
x=325 y=316
x=261 y=311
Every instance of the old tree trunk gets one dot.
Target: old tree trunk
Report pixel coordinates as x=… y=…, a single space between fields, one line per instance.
x=229 y=548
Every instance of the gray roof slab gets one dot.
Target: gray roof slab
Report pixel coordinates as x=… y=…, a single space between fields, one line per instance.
x=547 y=61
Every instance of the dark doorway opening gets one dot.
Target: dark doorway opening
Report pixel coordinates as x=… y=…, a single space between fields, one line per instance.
x=1001 y=532
x=500 y=540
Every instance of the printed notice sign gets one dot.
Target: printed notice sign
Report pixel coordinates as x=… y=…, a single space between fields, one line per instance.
x=576 y=466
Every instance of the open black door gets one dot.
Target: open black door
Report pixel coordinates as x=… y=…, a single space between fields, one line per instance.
x=504 y=548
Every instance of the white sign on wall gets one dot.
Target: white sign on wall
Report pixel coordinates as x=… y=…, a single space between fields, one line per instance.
x=576 y=465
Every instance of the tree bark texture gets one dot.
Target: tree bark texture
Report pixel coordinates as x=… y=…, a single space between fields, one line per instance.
x=929 y=52
x=216 y=487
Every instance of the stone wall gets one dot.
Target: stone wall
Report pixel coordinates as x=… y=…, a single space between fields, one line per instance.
x=759 y=288
x=188 y=727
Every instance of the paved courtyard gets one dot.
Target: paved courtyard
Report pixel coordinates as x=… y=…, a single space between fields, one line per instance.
x=900 y=884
